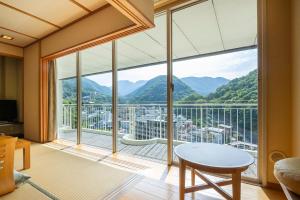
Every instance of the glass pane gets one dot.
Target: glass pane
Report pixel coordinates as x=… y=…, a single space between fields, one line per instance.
x=96 y=96
x=67 y=97
x=142 y=89
x=215 y=75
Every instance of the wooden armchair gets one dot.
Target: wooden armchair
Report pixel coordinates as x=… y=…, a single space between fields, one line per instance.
x=7 y=150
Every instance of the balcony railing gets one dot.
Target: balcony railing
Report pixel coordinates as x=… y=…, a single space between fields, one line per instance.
x=233 y=124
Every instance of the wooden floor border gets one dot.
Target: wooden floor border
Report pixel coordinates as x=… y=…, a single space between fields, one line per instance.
x=128 y=184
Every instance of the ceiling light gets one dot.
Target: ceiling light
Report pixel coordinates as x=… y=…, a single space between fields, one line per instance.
x=6 y=37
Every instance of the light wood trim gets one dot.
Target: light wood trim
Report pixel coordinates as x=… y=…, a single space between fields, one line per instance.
x=236 y=185
x=43 y=100
x=193 y=177
x=262 y=91
x=182 y=167
x=106 y=38
x=44 y=105
x=80 y=6
x=78 y=96
x=216 y=187
x=170 y=88
x=204 y=187
x=131 y=12
x=25 y=146
x=168 y=4
x=19 y=33
x=11 y=44
x=115 y=127
x=29 y=14
x=11 y=55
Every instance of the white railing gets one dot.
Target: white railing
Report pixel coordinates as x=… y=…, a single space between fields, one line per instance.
x=234 y=124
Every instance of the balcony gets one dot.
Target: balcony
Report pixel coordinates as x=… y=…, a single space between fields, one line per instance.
x=142 y=127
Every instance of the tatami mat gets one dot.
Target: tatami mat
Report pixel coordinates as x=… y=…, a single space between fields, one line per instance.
x=71 y=177
x=25 y=192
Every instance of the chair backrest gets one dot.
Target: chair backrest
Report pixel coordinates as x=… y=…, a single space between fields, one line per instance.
x=7 y=150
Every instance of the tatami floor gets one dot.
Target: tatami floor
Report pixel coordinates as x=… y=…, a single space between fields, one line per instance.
x=155 y=181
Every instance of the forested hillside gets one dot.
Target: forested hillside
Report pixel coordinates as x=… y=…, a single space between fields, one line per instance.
x=239 y=90
x=155 y=91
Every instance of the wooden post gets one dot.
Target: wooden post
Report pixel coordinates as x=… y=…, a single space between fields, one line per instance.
x=181 y=179
x=236 y=186
x=193 y=176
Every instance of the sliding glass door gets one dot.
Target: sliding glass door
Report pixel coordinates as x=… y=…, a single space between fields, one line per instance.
x=67 y=97
x=142 y=91
x=84 y=83
x=96 y=96
x=215 y=97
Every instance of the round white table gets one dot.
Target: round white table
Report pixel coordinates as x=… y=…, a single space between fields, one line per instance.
x=214 y=159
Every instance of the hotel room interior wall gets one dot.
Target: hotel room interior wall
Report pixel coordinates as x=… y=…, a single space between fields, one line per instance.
x=106 y=21
x=11 y=81
x=6 y=49
x=295 y=19
x=278 y=94
x=31 y=92
x=20 y=86
x=14 y=83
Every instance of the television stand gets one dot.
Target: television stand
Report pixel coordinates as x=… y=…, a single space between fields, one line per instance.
x=14 y=129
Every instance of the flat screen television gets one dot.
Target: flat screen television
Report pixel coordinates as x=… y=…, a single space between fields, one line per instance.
x=8 y=110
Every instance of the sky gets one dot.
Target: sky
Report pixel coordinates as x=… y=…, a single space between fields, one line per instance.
x=230 y=66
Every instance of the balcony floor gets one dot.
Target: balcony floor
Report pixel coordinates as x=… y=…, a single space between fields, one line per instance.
x=155 y=152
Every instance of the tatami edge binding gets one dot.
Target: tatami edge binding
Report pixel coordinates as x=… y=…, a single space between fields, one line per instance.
x=42 y=190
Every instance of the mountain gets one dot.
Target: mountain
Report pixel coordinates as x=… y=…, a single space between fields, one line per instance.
x=91 y=91
x=126 y=87
x=204 y=85
x=155 y=91
x=243 y=89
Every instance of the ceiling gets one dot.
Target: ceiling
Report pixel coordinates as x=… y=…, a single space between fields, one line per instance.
x=30 y=20
x=208 y=27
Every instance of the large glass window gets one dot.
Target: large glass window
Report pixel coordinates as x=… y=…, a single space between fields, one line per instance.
x=142 y=90
x=214 y=69
x=215 y=75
